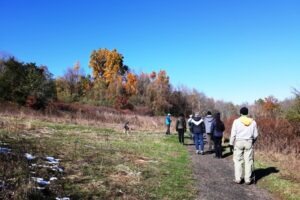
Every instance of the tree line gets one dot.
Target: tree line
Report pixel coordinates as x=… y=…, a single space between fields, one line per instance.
x=114 y=84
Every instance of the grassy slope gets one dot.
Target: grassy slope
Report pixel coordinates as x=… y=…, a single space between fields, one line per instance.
x=285 y=188
x=103 y=163
x=272 y=178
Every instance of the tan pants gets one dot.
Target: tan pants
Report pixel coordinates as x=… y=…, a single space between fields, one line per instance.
x=210 y=141
x=243 y=153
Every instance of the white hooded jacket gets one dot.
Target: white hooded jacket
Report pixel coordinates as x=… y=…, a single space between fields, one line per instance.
x=243 y=128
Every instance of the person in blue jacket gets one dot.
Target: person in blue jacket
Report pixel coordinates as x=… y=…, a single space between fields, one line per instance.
x=168 y=123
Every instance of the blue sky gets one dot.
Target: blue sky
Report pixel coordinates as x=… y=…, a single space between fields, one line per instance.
x=233 y=50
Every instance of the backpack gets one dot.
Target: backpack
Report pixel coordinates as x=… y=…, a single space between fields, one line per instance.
x=221 y=127
x=180 y=124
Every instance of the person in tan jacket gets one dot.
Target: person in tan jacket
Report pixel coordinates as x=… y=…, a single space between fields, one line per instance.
x=243 y=135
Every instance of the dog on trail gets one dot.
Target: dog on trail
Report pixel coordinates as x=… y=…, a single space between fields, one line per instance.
x=126 y=128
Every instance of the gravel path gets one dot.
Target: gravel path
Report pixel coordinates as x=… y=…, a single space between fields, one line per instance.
x=215 y=179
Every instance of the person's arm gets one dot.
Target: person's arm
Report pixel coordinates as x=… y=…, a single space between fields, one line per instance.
x=212 y=128
x=255 y=133
x=176 y=127
x=233 y=134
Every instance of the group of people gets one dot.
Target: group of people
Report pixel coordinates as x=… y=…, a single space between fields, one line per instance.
x=213 y=127
x=243 y=135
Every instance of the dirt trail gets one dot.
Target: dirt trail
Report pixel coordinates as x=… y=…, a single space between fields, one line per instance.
x=215 y=179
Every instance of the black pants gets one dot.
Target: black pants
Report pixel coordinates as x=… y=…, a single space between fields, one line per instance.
x=168 y=130
x=181 y=135
x=218 y=146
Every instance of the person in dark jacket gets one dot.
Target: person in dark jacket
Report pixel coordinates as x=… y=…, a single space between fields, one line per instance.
x=181 y=128
x=198 y=129
x=217 y=130
x=208 y=120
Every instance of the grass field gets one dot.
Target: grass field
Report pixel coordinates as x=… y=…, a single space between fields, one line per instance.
x=98 y=163
x=103 y=163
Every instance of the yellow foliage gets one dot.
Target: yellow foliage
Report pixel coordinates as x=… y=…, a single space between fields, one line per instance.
x=131 y=84
x=106 y=64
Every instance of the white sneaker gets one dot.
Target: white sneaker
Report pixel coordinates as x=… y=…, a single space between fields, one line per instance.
x=201 y=152
x=197 y=151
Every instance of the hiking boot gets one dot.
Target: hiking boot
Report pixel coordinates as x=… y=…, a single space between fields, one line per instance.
x=237 y=181
x=248 y=183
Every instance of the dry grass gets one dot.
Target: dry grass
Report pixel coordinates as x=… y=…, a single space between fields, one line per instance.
x=86 y=115
x=289 y=165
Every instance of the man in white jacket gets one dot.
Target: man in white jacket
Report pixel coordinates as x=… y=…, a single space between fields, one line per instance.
x=243 y=135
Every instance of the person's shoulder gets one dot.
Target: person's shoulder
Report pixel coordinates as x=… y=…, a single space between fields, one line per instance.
x=236 y=120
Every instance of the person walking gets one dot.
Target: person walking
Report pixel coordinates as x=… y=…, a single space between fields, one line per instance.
x=181 y=128
x=198 y=129
x=208 y=120
x=243 y=135
x=217 y=129
x=168 y=123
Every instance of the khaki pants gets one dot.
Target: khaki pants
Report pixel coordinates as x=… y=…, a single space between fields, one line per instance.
x=243 y=153
x=209 y=141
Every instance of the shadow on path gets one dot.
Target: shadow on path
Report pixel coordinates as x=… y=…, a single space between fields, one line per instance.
x=227 y=154
x=263 y=172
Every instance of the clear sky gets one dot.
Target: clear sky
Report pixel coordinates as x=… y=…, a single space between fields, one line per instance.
x=232 y=50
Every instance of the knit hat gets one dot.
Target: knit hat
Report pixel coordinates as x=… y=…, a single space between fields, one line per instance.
x=244 y=111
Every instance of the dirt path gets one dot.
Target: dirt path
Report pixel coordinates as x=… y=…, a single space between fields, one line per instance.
x=215 y=179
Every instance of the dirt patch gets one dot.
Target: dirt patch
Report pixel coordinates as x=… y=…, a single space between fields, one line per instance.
x=125 y=175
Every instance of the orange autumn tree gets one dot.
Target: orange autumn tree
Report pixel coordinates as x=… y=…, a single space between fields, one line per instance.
x=131 y=84
x=271 y=106
x=158 y=92
x=108 y=69
x=107 y=65
x=267 y=107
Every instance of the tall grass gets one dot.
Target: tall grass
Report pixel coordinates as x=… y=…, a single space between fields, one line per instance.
x=86 y=115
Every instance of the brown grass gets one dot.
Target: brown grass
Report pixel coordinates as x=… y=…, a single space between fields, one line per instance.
x=85 y=115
